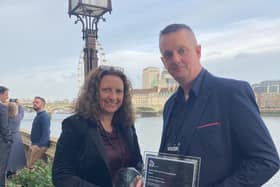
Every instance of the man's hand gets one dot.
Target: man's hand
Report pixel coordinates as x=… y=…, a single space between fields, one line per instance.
x=34 y=147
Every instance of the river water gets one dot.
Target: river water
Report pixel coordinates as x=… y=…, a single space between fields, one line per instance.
x=149 y=133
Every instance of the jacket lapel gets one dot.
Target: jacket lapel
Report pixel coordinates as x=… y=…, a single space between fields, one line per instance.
x=128 y=138
x=190 y=126
x=97 y=140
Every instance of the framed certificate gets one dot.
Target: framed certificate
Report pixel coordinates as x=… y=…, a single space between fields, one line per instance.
x=167 y=170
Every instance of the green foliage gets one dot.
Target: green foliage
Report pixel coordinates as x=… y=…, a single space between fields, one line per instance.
x=39 y=176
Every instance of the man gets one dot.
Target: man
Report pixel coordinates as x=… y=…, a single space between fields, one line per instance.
x=213 y=118
x=5 y=134
x=40 y=133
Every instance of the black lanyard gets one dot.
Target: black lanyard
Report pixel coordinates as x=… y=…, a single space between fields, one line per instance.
x=177 y=122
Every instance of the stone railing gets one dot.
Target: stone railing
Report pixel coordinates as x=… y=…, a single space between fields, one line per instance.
x=25 y=136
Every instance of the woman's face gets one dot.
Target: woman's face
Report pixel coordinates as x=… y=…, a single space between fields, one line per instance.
x=111 y=93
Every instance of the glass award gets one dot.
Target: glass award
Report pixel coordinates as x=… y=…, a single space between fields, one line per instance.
x=126 y=177
x=168 y=170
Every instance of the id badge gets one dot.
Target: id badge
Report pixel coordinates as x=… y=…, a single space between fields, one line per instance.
x=173 y=148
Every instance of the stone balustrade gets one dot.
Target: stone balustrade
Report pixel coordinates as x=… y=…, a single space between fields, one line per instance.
x=25 y=136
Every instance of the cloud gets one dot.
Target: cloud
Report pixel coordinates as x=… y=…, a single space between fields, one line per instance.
x=53 y=81
x=252 y=67
x=134 y=62
x=55 y=85
x=239 y=51
x=40 y=46
x=247 y=36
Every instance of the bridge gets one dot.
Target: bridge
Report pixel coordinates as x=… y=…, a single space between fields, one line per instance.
x=148 y=110
x=142 y=110
x=52 y=107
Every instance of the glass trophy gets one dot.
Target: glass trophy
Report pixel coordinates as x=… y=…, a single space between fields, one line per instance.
x=126 y=177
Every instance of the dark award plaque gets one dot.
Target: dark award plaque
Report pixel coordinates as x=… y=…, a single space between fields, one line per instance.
x=166 y=170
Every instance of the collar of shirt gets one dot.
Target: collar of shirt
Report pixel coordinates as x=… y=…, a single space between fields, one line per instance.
x=195 y=86
x=41 y=111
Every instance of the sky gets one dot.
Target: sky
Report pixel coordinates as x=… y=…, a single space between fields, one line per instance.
x=40 y=45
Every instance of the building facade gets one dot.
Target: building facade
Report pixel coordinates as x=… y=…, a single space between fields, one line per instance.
x=150 y=77
x=153 y=97
x=269 y=87
x=268 y=95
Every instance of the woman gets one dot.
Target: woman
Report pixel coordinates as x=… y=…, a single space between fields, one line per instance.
x=16 y=157
x=99 y=138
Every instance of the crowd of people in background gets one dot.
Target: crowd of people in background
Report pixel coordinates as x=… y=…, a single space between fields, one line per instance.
x=13 y=156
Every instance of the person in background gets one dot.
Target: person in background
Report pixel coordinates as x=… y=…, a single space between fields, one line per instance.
x=5 y=134
x=40 y=133
x=216 y=119
x=100 y=138
x=20 y=110
x=17 y=157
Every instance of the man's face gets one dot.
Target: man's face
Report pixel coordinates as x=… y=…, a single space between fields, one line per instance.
x=38 y=104
x=4 y=97
x=181 y=55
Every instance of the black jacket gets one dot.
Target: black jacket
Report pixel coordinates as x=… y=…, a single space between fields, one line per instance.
x=80 y=158
x=226 y=131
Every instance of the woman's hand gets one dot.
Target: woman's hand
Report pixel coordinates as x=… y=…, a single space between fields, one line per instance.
x=138 y=182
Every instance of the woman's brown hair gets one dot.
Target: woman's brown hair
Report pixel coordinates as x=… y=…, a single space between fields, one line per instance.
x=87 y=104
x=12 y=110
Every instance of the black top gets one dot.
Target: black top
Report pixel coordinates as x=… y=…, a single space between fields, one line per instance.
x=180 y=115
x=116 y=150
x=81 y=159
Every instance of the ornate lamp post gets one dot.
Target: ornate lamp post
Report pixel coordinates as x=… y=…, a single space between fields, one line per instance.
x=89 y=12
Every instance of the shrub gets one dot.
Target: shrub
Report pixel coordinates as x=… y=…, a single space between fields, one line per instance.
x=39 y=176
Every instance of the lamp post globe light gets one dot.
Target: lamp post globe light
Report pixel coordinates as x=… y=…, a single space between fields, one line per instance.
x=89 y=12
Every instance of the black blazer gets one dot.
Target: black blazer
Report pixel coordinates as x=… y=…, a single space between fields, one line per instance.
x=80 y=158
x=226 y=130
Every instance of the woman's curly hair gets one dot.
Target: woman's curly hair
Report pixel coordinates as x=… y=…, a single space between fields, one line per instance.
x=87 y=104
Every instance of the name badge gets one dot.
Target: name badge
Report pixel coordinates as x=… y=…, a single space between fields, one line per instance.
x=173 y=147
